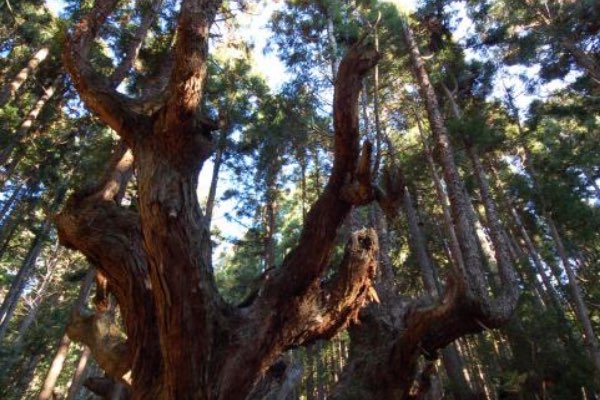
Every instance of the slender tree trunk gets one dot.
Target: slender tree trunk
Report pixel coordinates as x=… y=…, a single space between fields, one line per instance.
x=9 y=229
x=461 y=208
x=63 y=345
x=56 y=366
x=11 y=224
x=580 y=308
x=419 y=247
x=589 y=336
x=10 y=89
x=27 y=375
x=536 y=260
x=333 y=49
x=40 y=294
x=500 y=247
x=148 y=12
x=79 y=373
x=455 y=251
x=378 y=221
x=319 y=371
x=492 y=216
x=450 y=356
x=214 y=180
x=310 y=380
x=270 y=217
x=584 y=59
x=29 y=120
x=18 y=284
x=8 y=203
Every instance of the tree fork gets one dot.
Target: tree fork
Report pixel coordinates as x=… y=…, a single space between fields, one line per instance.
x=157 y=262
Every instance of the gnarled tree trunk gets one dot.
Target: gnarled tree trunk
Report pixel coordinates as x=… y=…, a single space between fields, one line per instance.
x=183 y=340
x=393 y=349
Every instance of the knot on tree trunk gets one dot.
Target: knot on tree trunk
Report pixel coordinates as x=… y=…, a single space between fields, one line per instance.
x=389 y=193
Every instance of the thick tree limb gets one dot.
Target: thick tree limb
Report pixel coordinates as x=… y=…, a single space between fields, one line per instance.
x=191 y=55
x=110 y=236
x=304 y=265
x=148 y=15
x=352 y=288
x=100 y=96
x=305 y=310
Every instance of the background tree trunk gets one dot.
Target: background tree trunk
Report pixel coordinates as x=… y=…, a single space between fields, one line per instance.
x=10 y=89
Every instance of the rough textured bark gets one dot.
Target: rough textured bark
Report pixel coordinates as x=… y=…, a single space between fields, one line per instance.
x=462 y=212
x=500 y=246
x=394 y=346
x=455 y=251
x=10 y=89
x=157 y=262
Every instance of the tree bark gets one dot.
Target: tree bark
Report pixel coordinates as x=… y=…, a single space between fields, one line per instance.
x=270 y=216
x=10 y=89
x=396 y=343
x=212 y=193
x=148 y=16
x=455 y=251
x=157 y=262
x=461 y=208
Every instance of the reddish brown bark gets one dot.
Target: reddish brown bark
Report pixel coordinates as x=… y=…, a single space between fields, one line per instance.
x=394 y=345
x=183 y=340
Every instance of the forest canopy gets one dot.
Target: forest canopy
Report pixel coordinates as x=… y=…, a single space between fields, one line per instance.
x=245 y=200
